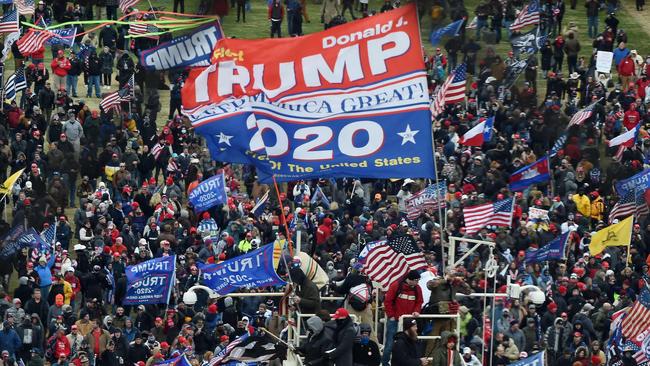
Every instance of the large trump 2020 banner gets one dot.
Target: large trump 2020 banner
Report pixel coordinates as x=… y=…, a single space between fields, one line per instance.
x=150 y=282
x=349 y=101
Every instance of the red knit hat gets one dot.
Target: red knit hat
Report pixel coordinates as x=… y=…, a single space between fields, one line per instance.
x=212 y=309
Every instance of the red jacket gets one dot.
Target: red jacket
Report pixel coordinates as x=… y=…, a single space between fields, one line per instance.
x=324 y=231
x=61 y=345
x=626 y=67
x=631 y=119
x=406 y=301
x=60 y=66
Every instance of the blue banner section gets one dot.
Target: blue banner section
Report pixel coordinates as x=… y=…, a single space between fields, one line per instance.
x=150 y=282
x=209 y=193
x=18 y=238
x=554 y=250
x=192 y=49
x=254 y=269
x=62 y=32
x=640 y=181
x=322 y=138
x=535 y=360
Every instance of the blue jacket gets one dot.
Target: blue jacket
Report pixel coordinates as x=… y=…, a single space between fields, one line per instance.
x=620 y=54
x=45 y=272
x=9 y=341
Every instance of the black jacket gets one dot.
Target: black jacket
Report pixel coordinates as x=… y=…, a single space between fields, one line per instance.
x=405 y=350
x=343 y=343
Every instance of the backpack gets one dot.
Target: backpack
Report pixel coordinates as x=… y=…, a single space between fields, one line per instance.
x=359 y=297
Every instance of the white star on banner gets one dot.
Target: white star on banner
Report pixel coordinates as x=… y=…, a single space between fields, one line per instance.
x=224 y=139
x=408 y=135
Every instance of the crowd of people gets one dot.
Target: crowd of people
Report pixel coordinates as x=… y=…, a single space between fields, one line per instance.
x=115 y=185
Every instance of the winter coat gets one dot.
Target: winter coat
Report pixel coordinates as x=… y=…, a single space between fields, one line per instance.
x=440 y=354
x=343 y=342
x=406 y=351
x=320 y=340
x=402 y=299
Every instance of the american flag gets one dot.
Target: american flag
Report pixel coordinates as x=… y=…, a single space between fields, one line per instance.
x=388 y=261
x=498 y=213
x=126 y=4
x=14 y=84
x=529 y=15
x=33 y=41
x=221 y=356
x=633 y=203
x=144 y=30
x=452 y=91
x=156 y=150
x=582 y=115
x=9 y=22
x=638 y=318
x=113 y=100
x=25 y=7
x=431 y=197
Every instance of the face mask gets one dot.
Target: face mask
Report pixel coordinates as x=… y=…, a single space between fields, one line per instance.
x=364 y=339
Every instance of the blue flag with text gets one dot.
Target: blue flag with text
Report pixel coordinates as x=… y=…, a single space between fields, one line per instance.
x=209 y=193
x=253 y=269
x=150 y=282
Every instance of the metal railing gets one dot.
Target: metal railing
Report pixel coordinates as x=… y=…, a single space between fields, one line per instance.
x=456 y=316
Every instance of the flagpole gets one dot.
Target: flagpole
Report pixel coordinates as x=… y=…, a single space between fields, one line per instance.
x=284 y=218
x=440 y=219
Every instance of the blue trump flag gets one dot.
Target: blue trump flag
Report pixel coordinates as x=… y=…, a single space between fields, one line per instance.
x=260 y=206
x=640 y=181
x=537 y=172
x=554 y=250
x=451 y=29
x=68 y=33
x=209 y=193
x=18 y=238
x=253 y=269
x=192 y=49
x=535 y=360
x=150 y=282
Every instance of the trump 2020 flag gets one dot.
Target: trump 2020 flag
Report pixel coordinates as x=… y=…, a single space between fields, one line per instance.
x=251 y=270
x=479 y=134
x=209 y=193
x=554 y=250
x=537 y=172
x=150 y=282
x=450 y=29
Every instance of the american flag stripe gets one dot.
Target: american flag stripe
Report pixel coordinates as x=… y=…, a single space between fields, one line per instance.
x=582 y=115
x=529 y=15
x=224 y=354
x=156 y=150
x=638 y=318
x=451 y=91
x=33 y=41
x=388 y=261
x=431 y=197
x=143 y=30
x=498 y=213
x=9 y=22
x=632 y=203
x=25 y=7
x=126 y=4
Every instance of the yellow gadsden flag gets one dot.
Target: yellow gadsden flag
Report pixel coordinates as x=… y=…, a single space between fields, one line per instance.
x=612 y=236
x=6 y=187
